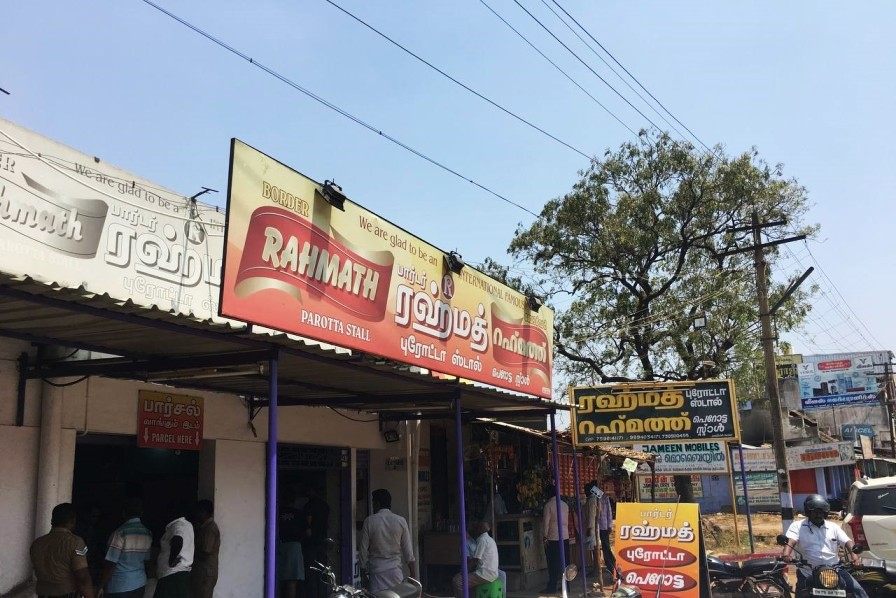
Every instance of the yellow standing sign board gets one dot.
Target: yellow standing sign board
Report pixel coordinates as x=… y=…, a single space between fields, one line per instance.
x=658 y=546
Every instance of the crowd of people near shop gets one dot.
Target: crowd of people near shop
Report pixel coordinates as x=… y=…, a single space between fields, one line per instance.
x=184 y=559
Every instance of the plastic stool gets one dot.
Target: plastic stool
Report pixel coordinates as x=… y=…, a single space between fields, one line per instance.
x=494 y=589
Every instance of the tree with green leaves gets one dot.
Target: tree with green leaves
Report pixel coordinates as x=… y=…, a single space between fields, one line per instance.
x=635 y=253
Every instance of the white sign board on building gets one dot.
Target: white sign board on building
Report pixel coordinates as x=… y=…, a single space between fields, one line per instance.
x=69 y=218
x=687 y=457
x=809 y=456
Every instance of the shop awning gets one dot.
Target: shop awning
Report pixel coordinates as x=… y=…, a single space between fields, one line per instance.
x=152 y=344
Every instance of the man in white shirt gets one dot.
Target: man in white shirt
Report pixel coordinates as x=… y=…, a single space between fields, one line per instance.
x=175 y=558
x=482 y=567
x=553 y=542
x=385 y=541
x=819 y=542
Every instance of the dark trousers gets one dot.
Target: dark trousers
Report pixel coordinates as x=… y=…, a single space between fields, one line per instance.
x=609 y=559
x=314 y=585
x=176 y=585
x=555 y=567
x=137 y=593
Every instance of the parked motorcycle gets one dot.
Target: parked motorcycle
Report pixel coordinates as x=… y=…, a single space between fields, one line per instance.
x=408 y=588
x=877 y=577
x=763 y=577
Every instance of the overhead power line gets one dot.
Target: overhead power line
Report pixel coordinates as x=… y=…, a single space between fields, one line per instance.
x=456 y=81
x=556 y=66
x=588 y=66
x=334 y=107
x=614 y=71
x=635 y=79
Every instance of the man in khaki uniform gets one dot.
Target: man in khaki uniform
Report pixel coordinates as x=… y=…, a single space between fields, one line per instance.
x=60 y=559
x=204 y=575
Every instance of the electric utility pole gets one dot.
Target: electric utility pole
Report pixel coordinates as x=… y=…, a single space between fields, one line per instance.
x=768 y=349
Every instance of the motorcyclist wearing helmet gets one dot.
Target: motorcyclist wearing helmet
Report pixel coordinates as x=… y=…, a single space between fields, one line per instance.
x=819 y=542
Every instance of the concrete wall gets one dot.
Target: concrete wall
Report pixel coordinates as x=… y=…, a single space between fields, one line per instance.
x=231 y=464
x=239 y=512
x=18 y=485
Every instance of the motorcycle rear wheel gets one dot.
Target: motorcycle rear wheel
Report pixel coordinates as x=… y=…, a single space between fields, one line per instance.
x=767 y=588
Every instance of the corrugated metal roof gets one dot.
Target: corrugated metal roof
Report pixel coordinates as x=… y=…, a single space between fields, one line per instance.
x=310 y=373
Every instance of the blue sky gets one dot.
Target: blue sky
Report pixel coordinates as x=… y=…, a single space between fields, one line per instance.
x=809 y=83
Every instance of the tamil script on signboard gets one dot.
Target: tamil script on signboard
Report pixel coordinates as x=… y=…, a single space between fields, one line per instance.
x=75 y=220
x=687 y=457
x=810 y=456
x=295 y=263
x=850 y=380
x=654 y=412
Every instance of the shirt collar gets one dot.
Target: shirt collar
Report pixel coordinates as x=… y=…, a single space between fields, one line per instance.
x=60 y=529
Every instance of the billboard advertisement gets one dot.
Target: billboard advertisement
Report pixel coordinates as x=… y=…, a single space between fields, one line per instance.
x=665 y=487
x=296 y=263
x=654 y=412
x=687 y=457
x=834 y=380
x=808 y=456
x=658 y=546
x=762 y=488
x=70 y=218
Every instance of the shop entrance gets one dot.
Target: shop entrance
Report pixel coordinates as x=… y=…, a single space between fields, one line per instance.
x=109 y=469
x=326 y=473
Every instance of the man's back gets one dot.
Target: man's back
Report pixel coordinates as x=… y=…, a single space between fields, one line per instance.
x=549 y=520
x=385 y=539
x=55 y=557
x=129 y=547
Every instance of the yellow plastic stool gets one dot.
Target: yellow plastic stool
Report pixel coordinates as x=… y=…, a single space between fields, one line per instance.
x=494 y=589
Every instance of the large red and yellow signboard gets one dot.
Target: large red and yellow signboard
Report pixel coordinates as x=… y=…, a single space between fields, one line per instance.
x=295 y=263
x=658 y=546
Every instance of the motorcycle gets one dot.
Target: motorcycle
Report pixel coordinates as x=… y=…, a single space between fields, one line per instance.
x=822 y=581
x=622 y=590
x=408 y=588
x=763 y=577
x=877 y=576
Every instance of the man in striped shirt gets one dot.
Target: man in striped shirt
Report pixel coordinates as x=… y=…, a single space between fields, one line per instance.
x=124 y=572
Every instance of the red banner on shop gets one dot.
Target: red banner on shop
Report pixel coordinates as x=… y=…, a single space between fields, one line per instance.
x=295 y=263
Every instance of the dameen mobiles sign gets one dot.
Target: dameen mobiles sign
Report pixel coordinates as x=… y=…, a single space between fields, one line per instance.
x=654 y=412
x=295 y=263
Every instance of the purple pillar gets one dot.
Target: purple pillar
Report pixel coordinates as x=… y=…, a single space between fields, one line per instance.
x=462 y=510
x=270 y=531
x=581 y=543
x=560 y=530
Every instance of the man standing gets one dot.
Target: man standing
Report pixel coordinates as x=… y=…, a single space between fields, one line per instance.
x=314 y=547
x=175 y=558
x=553 y=542
x=204 y=575
x=124 y=570
x=591 y=531
x=60 y=558
x=291 y=529
x=385 y=541
x=482 y=567
x=605 y=527
x=820 y=541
